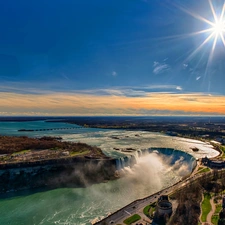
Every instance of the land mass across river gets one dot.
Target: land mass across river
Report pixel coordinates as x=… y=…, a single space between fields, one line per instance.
x=47 y=161
x=26 y=149
x=197 y=128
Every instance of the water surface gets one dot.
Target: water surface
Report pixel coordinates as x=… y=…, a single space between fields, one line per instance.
x=69 y=206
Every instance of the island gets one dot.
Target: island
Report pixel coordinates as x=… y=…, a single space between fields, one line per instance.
x=50 y=162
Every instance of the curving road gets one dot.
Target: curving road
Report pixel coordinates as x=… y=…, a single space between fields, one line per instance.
x=137 y=206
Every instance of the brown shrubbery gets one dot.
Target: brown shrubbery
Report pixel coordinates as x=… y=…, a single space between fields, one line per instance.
x=188 y=209
x=189 y=198
x=9 y=145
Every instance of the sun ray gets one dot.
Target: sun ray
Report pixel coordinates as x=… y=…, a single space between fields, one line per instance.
x=214 y=43
x=187 y=35
x=211 y=53
x=216 y=30
x=200 y=46
x=213 y=11
x=202 y=31
x=222 y=13
x=222 y=38
x=200 y=59
x=195 y=15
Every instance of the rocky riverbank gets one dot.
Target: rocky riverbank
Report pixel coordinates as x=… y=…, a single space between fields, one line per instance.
x=70 y=172
x=38 y=162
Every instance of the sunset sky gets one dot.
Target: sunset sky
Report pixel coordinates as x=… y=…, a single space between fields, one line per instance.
x=112 y=57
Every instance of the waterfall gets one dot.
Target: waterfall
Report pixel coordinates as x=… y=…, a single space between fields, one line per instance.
x=118 y=165
x=173 y=156
x=130 y=160
x=133 y=160
x=139 y=152
x=122 y=162
x=127 y=161
x=145 y=151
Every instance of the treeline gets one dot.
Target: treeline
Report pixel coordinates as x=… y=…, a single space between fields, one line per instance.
x=188 y=210
x=189 y=198
x=9 y=145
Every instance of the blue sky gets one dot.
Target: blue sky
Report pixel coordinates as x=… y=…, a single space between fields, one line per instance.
x=113 y=48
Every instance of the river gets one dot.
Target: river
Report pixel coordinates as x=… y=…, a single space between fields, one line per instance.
x=69 y=206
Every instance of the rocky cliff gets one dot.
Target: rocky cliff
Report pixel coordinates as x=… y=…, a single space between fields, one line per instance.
x=73 y=172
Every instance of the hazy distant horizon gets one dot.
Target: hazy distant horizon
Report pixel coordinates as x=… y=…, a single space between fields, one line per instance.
x=180 y=118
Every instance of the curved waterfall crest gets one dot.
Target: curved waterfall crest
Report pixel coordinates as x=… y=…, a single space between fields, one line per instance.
x=170 y=155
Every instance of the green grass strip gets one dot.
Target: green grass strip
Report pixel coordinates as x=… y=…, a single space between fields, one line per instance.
x=132 y=219
x=146 y=210
x=218 y=208
x=215 y=219
x=204 y=170
x=206 y=206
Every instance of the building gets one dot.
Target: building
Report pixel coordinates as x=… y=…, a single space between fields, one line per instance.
x=163 y=206
x=214 y=164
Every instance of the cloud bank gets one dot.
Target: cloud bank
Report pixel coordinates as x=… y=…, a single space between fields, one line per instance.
x=116 y=103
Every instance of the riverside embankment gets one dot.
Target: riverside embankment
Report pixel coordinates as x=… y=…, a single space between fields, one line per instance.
x=78 y=171
x=72 y=172
x=120 y=215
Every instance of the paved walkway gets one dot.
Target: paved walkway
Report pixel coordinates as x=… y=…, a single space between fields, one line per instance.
x=209 y=216
x=200 y=217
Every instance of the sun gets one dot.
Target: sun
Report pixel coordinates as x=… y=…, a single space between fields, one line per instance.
x=215 y=30
x=219 y=28
x=218 y=25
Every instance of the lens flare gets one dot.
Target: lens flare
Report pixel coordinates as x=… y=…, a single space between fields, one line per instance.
x=218 y=28
x=214 y=34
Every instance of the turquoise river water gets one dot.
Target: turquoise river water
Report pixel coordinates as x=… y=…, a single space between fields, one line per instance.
x=67 y=206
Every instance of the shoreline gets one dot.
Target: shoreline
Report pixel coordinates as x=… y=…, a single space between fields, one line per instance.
x=198 y=140
x=72 y=160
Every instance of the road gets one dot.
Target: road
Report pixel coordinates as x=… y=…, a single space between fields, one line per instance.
x=138 y=205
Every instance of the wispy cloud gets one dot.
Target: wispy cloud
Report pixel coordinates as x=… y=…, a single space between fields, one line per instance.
x=37 y=89
x=160 y=86
x=132 y=91
x=185 y=65
x=114 y=73
x=17 y=87
x=179 y=88
x=160 y=67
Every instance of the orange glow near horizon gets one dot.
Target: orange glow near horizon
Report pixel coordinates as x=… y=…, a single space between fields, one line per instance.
x=87 y=104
